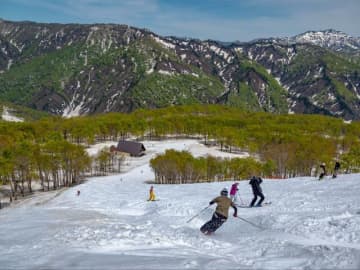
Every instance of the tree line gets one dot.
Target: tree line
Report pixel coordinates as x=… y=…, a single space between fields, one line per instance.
x=180 y=167
x=52 y=149
x=51 y=161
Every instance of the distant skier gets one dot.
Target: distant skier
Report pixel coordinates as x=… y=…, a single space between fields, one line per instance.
x=151 y=194
x=336 y=169
x=257 y=191
x=78 y=193
x=221 y=213
x=323 y=173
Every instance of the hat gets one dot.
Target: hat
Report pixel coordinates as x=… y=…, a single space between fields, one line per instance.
x=224 y=192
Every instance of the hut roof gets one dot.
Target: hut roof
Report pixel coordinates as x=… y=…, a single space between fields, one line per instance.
x=133 y=148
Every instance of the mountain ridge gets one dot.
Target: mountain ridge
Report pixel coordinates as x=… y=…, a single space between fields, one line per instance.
x=76 y=69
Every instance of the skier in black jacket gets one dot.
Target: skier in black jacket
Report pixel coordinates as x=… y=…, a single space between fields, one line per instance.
x=257 y=191
x=323 y=173
x=336 y=169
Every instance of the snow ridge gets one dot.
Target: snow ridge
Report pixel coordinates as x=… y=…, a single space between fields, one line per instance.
x=329 y=39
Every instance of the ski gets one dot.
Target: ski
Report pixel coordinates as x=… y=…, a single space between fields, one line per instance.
x=207 y=233
x=247 y=206
x=267 y=203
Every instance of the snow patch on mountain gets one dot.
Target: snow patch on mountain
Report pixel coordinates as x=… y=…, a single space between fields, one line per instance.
x=152 y=65
x=224 y=54
x=10 y=62
x=163 y=42
x=290 y=54
x=165 y=72
x=331 y=39
x=19 y=48
x=7 y=116
x=4 y=50
x=72 y=111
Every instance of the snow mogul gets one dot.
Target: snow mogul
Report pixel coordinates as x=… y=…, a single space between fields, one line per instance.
x=221 y=213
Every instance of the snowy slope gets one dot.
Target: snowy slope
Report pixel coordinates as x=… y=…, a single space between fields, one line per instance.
x=309 y=225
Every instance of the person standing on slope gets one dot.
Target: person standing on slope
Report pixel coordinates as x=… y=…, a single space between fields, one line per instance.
x=234 y=189
x=221 y=213
x=323 y=173
x=151 y=194
x=257 y=191
x=336 y=169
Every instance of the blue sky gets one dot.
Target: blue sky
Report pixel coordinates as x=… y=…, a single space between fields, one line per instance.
x=225 y=20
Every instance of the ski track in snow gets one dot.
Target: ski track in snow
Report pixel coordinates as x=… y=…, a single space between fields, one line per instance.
x=309 y=225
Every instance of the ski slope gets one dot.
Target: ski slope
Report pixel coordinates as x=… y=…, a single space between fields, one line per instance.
x=309 y=225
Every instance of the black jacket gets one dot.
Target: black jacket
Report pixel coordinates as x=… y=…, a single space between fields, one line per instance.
x=255 y=184
x=323 y=168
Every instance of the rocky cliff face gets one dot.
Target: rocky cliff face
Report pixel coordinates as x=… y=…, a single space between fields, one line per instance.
x=316 y=80
x=84 y=69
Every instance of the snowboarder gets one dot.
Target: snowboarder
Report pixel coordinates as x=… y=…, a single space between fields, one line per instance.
x=257 y=191
x=151 y=194
x=221 y=213
x=233 y=191
x=78 y=193
x=336 y=169
x=323 y=173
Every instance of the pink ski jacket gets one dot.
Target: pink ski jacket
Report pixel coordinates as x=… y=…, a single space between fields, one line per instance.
x=233 y=189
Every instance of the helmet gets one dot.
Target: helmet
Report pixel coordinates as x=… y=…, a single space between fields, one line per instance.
x=224 y=192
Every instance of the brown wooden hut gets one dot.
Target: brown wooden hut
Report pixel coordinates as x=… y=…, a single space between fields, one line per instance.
x=134 y=149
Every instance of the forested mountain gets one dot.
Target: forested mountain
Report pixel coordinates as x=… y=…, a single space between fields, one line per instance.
x=73 y=69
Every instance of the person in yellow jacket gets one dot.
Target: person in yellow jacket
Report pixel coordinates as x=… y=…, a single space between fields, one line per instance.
x=152 y=194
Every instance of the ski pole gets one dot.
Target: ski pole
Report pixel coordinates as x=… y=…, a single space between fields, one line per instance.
x=240 y=199
x=253 y=224
x=198 y=214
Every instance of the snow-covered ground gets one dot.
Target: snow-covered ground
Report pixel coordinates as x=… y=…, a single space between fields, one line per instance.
x=309 y=225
